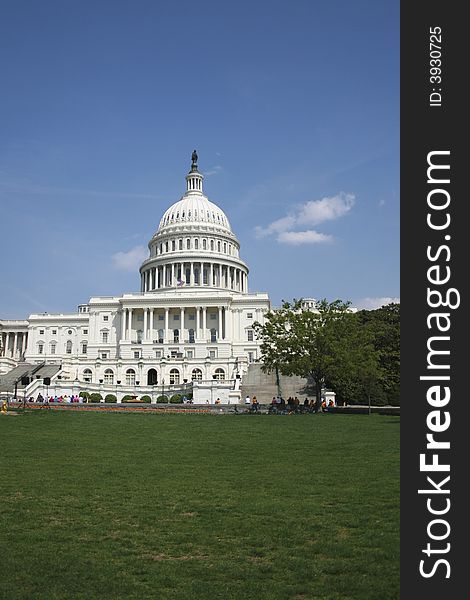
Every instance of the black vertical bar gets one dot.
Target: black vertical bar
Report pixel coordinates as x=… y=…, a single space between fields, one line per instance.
x=433 y=119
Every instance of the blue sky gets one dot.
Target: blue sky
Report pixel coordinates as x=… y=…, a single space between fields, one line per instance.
x=293 y=108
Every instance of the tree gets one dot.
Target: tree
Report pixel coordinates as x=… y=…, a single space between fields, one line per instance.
x=383 y=325
x=326 y=344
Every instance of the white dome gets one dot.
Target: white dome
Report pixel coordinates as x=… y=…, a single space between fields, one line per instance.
x=194 y=208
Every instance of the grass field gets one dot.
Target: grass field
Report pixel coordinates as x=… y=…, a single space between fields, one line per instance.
x=199 y=507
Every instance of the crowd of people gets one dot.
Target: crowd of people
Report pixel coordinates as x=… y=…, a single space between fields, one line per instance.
x=52 y=399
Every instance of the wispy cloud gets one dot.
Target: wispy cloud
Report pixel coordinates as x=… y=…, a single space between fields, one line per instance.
x=373 y=303
x=311 y=213
x=131 y=260
x=214 y=171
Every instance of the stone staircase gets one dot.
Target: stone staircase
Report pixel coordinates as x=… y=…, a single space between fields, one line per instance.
x=8 y=380
x=266 y=385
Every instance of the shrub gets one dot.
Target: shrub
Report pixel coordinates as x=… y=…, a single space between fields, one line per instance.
x=84 y=395
x=145 y=399
x=110 y=398
x=162 y=399
x=95 y=397
x=126 y=398
x=176 y=399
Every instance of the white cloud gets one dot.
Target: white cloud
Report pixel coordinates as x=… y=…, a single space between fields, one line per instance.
x=303 y=237
x=326 y=209
x=131 y=260
x=373 y=303
x=313 y=212
x=214 y=171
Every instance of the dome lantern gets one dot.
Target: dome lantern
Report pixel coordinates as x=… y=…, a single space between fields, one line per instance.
x=194 y=178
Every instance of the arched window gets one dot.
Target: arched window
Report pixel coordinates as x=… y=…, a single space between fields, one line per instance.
x=187 y=278
x=218 y=246
x=174 y=376
x=196 y=375
x=68 y=347
x=213 y=335
x=40 y=347
x=220 y=374
x=176 y=336
x=152 y=377
x=160 y=336
x=173 y=244
x=212 y=244
x=87 y=375
x=84 y=347
x=53 y=347
x=166 y=246
x=130 y=377
x=204 y=244
x=180 y=244
x=225 y=248
x=109 y=376
x=188 y=244
x=191 y=336
x=196 y=244
x=196 y=276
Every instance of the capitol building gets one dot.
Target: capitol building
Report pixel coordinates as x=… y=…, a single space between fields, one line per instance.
x=189 y=329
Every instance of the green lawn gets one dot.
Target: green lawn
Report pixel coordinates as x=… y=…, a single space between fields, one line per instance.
x=199 y=506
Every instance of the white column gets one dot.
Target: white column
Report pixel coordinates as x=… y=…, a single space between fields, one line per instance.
x=182 y=331
x=129 y=325
x=151 y=325
x=6 y=343
x=15 y=340
x=220 y=275
x=197 y=322
x=23 y=343
x=173 y=278
x=204 y=325
x=228 y=324
x=220 y=330
x=164 y=276
x=145 y=338
x=211 y=274
x=183 y=274
x=165 y=333
x=191 y=277
x=123 y=323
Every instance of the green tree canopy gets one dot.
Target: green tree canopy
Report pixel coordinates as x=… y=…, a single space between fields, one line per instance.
x=327 y=344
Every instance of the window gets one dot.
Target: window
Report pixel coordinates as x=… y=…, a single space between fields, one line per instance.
x=105 y=318
x=160 y=317
x=204 y=244
x=104 y=337
x=84 y=347
x=191 y=317
x=196 y=375
x=176 y=336
x=160 y=336
x=249 y=315
x=85 y=332
x=218 y=246
x=174 y=376
x=196 y=244
x=108 y=376
x=68 y=347
x=213 y=335
x=130 y=377
x=189 y=354
x=225 y=248
x=140 y=317
x=173 y=245
x=212 y=354
x=191 y=336
x=250 y=335
x=176 y=317
x=212 y=316
x=251 y=357
x=104 y=355
x=158 y=353
x=219 y=374
x=54 y=332
x=212 y=244
x=53 y=346
x=87 y=374
x=204 y=277
x=137 y=354
x=188 y=244
x=41 y=332
x=180 y=245
x=139 y=336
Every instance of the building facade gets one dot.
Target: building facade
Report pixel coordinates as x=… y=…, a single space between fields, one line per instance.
x=191 y=322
